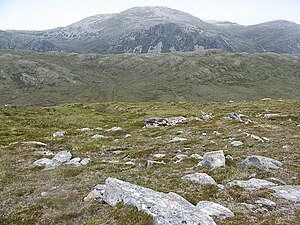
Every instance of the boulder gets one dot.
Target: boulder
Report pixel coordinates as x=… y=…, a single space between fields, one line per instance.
x=162 y=122
x=252 y=183
x=213 y=160
x=199 y=178
x=214 y=209
x=261 y=162
x=166 y=209
x=289 y=192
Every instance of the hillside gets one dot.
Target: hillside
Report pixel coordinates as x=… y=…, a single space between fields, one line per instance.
x=32 y=195
x=54 y=78
x=156 y=30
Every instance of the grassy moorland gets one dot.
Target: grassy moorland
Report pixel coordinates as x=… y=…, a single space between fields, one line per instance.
x=21 y=184
x=28 y=78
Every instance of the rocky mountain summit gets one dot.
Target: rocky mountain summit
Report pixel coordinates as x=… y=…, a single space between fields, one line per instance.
x=156 y=30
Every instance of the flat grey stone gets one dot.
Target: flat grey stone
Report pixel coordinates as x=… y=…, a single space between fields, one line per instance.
x=98 y=136
x=261 y=162
x=42 y=162
x=199 y=178
x=34 y=143
x=236 y=143
x=214 y=209
x=289 y=192
x=162 y=122
x=114 y=129
x=265 y=202
x=252 y=183
x=177 y=139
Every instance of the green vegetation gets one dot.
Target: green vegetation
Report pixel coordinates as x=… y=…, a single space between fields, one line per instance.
x=54 y=78
x=21 y=184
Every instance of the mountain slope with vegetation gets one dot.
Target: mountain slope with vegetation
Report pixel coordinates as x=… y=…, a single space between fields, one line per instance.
x=156 y=29
x=54 y=78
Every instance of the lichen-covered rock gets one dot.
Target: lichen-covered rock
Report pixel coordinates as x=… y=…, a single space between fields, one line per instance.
x=289 y=192
x=252 y=183
x=62 y=156
x=85 y=161
x=214 y=209
x=177 y=139
x=261 y=162
x=213 y=160
x=42 y=162
x=166 y=209
x=199 y=178
x=59 y=134
x=236 y=143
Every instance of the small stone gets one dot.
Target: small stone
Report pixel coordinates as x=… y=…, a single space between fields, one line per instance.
x=84 y=129
x=216 y=133
x=266 y=99
x=248 y=206
x=177 y=139
x=206 y=116
x=98 y=136
x=180 y=157
x=34 y=143
x=44 y=194
x=74 y=162
x=196 y=156
x=129 y=163
x=158 y=156
x=214 y=209
x=236 y=143
x=271 y=116
x=127 y=135
x=114 y=129
x=213 y=160
x=150 y=163
x=199 y=178
x=44 y=152
x=85 y=161
x=265 y=202
x=59 y=134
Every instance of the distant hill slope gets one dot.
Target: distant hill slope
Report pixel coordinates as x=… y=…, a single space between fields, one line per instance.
x=53 y=78
x=156 y=29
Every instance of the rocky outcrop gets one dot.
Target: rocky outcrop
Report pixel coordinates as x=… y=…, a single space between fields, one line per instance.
x=166 y=209
x=163 y=122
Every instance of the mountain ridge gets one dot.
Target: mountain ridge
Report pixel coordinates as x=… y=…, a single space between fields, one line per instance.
x=155 y=30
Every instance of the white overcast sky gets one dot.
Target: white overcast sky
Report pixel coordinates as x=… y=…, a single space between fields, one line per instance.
x=45 y=14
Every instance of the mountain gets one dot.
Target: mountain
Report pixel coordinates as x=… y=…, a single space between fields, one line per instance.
x=28 y=78
x=155 y=30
